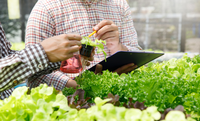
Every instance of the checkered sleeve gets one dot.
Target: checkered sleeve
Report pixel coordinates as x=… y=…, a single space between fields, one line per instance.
x=128 y=35
x=41 y=26
x=50 y=80
x=15 y=68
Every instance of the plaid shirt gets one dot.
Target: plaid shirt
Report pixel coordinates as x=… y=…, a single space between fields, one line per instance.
x=16 y=66
x=55 y=17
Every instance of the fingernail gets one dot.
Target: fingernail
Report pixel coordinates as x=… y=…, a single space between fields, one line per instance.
x=132 y=64
x=96 y=28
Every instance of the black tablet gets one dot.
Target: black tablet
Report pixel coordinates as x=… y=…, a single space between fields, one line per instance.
x=122 y=58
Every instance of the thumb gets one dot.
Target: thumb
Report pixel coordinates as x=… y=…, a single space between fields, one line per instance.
x=98 y=69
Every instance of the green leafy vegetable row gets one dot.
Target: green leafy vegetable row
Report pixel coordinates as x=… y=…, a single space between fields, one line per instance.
x=165 y=85
x=44 y=103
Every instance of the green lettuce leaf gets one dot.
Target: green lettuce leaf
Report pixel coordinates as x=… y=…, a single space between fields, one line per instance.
x=97 y=43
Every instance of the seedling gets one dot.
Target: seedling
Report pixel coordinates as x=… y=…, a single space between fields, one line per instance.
x=87 y=42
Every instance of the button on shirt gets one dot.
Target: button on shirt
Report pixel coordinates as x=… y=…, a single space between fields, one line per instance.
x=16 y=66
x=55 y=17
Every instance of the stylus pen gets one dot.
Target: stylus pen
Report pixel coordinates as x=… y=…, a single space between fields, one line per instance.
x=92 y=33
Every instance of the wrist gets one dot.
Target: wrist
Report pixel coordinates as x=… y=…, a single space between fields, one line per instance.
x=35 y=61
x=119 y=47
x=123 y=47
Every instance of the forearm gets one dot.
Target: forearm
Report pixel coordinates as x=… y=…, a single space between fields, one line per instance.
x=21 y=65
x=56 y=79
x=118 y=47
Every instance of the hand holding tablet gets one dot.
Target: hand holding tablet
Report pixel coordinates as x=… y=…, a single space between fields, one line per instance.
x=122 y=58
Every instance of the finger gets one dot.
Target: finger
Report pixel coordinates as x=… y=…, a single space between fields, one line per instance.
x=130 y=69
x=93 y=52
x=105 y=29
x=109 y=35
x=69 y=55
x=71 y=83
x=92 y=55
x=91 y=58
x=72 y=36
x=80 y=48
x=74 y=42
x=124 y=68
x=101 y=24
x=98 y=69
x=72 y=49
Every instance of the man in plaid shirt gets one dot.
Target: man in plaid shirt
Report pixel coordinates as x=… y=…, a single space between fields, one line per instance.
x=110 y=18
x=35 y=60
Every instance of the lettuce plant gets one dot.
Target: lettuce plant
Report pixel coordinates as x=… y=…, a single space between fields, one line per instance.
x=97 y=43
x=44 y=103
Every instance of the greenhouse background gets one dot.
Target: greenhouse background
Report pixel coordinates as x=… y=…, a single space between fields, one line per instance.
x=162 y=25
x=167 y=89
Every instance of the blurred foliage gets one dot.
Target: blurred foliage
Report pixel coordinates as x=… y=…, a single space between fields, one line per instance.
x=18 y=46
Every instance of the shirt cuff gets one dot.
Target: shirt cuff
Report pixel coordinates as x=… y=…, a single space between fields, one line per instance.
x=62 y=85
x=59 y=79
x=35 y=57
